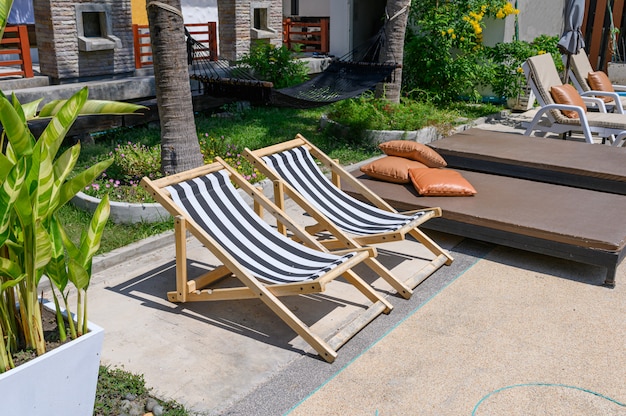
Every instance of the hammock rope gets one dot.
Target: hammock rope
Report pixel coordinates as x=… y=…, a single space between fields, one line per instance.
x=346 y=77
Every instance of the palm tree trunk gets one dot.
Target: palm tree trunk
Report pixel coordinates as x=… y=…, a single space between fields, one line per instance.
x=393 y=50
x=179 y=141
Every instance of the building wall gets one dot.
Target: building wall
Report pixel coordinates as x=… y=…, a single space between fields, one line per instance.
x=60 y=57
x=535 y=18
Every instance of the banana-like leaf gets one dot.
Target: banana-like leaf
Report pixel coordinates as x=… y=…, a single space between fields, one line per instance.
x=23 y=206
x=90 y=238
x=45 y=181
x=63 y=166
x=72 y=251
x=92 y=107
x=30 y=109
x=9 y=192
x=65 y=163
x=43 y=247
x=19 y=136
x=12 y=271
x=78 y=275
x=5 y=166
x=56 y=269
x=78 y=182
x=54 y=133
x=5 y=8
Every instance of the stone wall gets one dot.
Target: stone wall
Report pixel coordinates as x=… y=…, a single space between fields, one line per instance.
x=66 y=55
x=235 y=26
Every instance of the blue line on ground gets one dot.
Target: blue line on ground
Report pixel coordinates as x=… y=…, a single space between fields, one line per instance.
x=545 y=385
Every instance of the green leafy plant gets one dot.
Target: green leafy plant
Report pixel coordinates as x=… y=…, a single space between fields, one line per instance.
x=504 y=67
x=443 y=56
x=370 y=113
x=34 y=183
x=275 y=64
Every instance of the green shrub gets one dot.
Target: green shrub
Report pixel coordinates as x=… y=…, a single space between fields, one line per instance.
x=443 y=57
x=504 y=69
x=275 y=64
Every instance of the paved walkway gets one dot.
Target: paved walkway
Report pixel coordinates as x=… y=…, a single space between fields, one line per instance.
x=500 y=331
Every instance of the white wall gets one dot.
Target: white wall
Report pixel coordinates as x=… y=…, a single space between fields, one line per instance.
x=199 y=11
x=340 y=27
x=536 y=17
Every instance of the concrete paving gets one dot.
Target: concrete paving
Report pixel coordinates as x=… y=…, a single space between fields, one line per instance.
x=500 y=331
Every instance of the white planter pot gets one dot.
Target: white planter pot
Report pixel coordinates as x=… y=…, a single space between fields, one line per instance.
x=61 y=382
x=617 y=72
x=124 y=212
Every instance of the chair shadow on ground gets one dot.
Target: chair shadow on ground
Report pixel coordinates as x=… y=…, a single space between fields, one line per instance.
x=250 y=317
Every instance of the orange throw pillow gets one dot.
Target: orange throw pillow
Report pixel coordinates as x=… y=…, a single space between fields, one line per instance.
x=567 y=94
x=440 y=182
x=599 y=81
x=392 y=169
x=414 y=151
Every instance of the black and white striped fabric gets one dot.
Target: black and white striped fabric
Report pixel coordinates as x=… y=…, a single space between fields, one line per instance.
x=297 y=167
x=216 y=206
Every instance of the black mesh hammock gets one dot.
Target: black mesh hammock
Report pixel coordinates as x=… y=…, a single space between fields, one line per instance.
x=347 y=77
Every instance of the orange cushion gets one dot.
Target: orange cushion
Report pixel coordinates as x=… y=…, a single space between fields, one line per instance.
x=440 y=182
x=392 y=169
x=414 y=151
x=567 y=94
x=599 y=81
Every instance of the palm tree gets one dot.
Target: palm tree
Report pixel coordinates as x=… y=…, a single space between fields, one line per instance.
x=180 y=150
x=393 y=50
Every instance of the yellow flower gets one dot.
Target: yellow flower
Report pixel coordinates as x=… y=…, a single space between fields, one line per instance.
x=541 y=52
x=453 y=36
x=519 y=70
x=450 y=31
x=500 y=14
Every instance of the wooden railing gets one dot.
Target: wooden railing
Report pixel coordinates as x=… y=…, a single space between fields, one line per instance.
x=312 y=35
x=205 y=33
x=597 y=28
x=15 y=43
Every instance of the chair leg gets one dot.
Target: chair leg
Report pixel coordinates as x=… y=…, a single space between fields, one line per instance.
x=402 y=289
x=180 y=235
x=366 y=289
x=431 y=245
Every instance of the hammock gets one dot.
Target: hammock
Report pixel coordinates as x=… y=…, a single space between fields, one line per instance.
x=347 y=77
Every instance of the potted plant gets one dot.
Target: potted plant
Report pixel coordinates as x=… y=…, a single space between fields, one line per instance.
x=34 y=184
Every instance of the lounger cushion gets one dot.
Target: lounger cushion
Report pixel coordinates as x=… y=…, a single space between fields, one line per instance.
x=392 y=169
x=567 y=94
x=414 y=151
x=440 y=182
x=599 y=81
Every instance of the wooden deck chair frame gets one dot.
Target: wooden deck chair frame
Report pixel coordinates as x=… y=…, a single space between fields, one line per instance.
x=542 y=75
x=199 y=289
x=339 y=238
x=580 y=67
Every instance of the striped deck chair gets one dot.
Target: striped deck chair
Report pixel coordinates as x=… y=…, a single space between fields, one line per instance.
x=294 y=171
x=205 y=202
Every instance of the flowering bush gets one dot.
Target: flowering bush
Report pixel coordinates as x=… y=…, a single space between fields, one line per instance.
x=443 y=56
x=133 y=161
x=212 y=147
x=506 y=59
